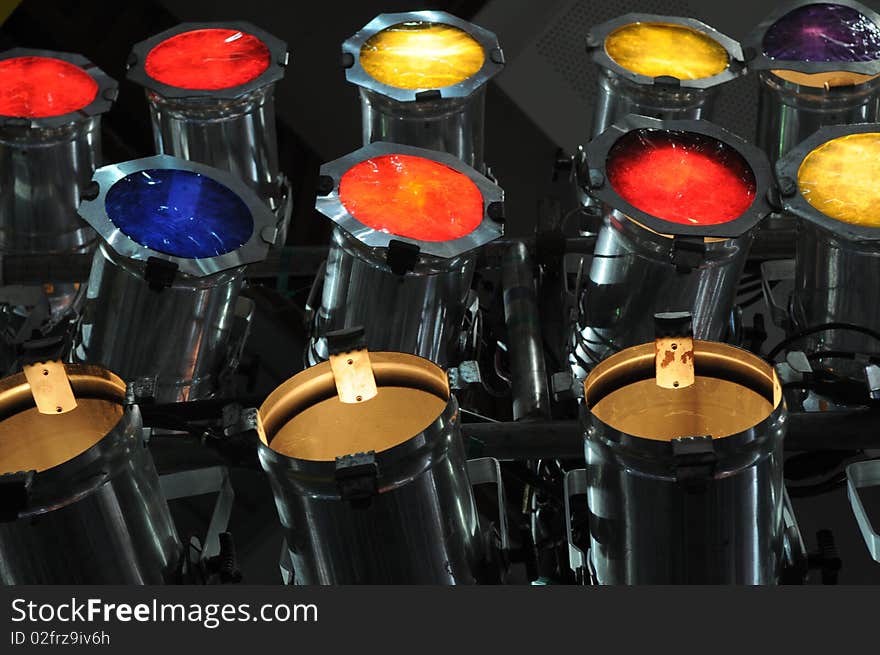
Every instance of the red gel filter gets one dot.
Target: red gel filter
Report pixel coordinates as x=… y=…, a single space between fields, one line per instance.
x=40 y=87
x=681 y=177
x=412 y=197
x=208 y=59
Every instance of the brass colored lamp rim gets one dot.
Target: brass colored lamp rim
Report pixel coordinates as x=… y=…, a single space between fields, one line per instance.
x=317 y=383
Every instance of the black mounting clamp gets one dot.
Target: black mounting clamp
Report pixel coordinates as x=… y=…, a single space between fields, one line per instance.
x=402 y=257
x=15 y=489
x=687 y=253
x=160 y=273
x=357 y=477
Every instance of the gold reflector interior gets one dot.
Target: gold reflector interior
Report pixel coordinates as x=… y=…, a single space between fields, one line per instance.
x=733 y=391
x=657 y=49
x=840 y=179
x=304 y=418
x=30 y=440
x=421 y=55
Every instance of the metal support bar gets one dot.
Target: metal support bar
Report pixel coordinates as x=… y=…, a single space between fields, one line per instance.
x=531 y=397
x=859 y=475
x=213 y=479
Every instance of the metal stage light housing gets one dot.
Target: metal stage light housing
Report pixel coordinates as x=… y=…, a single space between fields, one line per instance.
x=692 y=259
x=49 y=147
x=402 y=101
x=373 y=490
x=684 y=484
x=210 y=87
x=829 y=182
x=161 y=303
x=829 y=75
x=674 y=76
x=409 y=293
x=81 y=498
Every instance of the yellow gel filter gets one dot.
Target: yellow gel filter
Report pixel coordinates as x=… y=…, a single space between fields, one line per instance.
x=840 y=179
x=658 y=49
x=421 y=55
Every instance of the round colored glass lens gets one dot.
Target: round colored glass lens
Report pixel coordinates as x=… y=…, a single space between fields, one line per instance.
x=658 y=49
x=40 y=87
x=681 y=177
x=420 y=55
x=208 y=59
x=839 y=178
x=412 y=197
x=179 y=212
x=823 y=32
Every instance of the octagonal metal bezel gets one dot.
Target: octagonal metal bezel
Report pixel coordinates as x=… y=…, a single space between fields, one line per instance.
x=597 y=155
x=757 y=60
x=596 y=47
x=253 y=250
x=107 y=91
x=278 y=58
x=793 y=200
x=330 y=205
x=493 y=60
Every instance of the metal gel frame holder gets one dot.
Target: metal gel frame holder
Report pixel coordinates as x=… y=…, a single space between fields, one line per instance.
x=599 y=187
x=278 y=58
x=753 y=44
x=108 y=89
x=493 y=62
x=330 y=205
x=793 y=200
x=253 y=250
x=596 y=48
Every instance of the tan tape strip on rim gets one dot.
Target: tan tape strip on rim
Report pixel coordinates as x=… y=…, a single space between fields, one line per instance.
x=353 y=375
x=674 y=362
x=50 y=387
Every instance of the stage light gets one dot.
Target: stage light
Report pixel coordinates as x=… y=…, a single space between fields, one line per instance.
x=818 y=64
x=366 y=463
x=50 y=143
x=704 y=457
x=682 y=201
x=829 y=183
x=422 y=78
x=408 y=223
x=163 y=295
x=210 y=87
x=659 y=66
x=81 y=497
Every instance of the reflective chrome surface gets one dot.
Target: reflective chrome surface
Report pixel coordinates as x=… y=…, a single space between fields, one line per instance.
x=421 y=527
x=632 y=277
x=232 y=135
x=657 y=519
x=98 y=518
x=180 y=335
x=42 y=172
x=788 y=113
x=419 y=312
x=618 y=96
x=622 y=91
x=836 y=281
x=453 y=125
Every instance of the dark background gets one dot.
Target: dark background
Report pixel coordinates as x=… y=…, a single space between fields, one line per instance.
x=541 y=102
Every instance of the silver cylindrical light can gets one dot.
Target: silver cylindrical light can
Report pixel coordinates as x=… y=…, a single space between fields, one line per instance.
x=818 y=65
x=402 y=256
x=210 y=87
x=161 y=298
x=373 y=490
x=829 y=183
x=659 y=66
x=685 y=484
x=82 y=501
x=422 y=79
x=682 y=201
x=50 y=144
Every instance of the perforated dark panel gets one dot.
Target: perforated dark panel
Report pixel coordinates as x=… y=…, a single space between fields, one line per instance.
x=563 y=45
